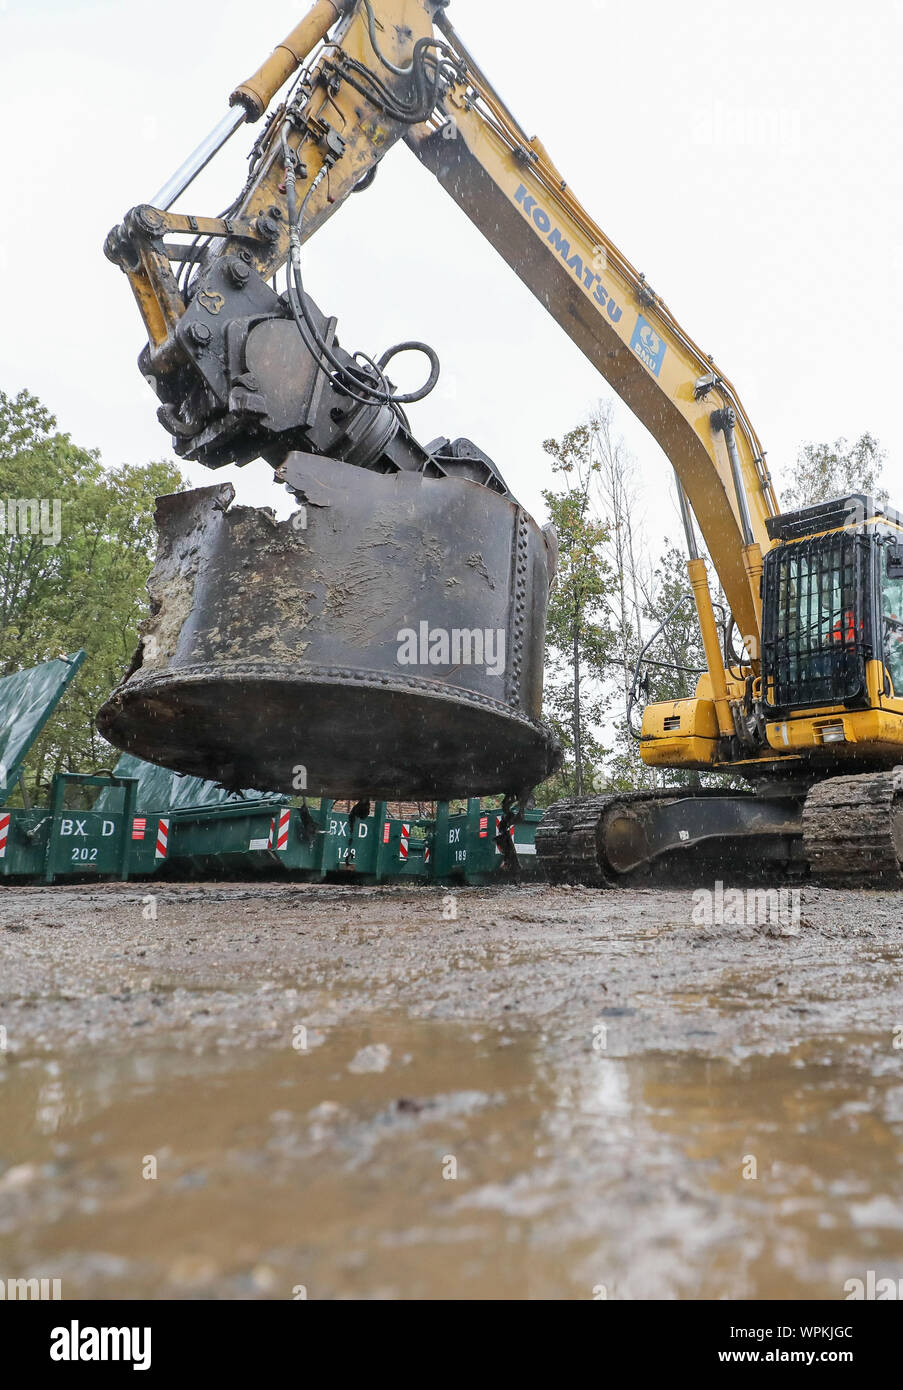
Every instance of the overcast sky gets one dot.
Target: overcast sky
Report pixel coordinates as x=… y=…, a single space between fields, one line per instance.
x=745 y=157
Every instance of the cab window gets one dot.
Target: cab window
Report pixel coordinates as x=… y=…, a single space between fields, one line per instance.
x=892 y=612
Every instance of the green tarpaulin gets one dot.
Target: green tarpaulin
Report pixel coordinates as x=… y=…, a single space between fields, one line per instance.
x=27 y=700
x=160 y=790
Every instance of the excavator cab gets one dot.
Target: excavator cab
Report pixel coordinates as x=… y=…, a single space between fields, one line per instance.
x=832 y=624
x=829 y=687
x=821 y=607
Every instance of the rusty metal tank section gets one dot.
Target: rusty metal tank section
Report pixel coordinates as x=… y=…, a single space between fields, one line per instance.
x=386 y=641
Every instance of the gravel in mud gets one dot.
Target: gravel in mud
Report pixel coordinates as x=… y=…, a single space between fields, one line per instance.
x=285 y=1091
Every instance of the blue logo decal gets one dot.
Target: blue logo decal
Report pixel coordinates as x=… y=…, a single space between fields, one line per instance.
x=649 y=347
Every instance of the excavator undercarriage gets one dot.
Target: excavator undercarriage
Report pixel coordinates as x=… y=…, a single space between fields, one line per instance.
x=845 y=832
x=824 y=705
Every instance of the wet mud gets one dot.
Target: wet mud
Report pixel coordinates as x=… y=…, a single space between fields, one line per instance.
x=279 y=1092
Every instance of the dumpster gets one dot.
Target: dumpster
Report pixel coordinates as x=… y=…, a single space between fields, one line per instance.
x=185 y=823
x=27 y=701
x=465 y=846
x=89 y=843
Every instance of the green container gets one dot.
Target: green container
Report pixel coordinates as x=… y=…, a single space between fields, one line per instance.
x=254 y=838
x=93 y=844
x=23 y=843
x=464 y=847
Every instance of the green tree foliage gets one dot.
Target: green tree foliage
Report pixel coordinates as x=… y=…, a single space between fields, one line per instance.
x=826 y=471
x=670 y=668
x=674 y=663
x=88 y=590
x=580 y=641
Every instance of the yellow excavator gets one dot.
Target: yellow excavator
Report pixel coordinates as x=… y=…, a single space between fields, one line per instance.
x=388 y=639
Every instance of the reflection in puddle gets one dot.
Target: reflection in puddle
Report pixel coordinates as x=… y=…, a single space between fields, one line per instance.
x=412 y=1160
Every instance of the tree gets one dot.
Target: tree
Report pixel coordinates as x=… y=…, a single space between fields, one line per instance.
x=615 y=483
x=669 y=670
x=580 y=640
x=73 y=570
x=826 y=471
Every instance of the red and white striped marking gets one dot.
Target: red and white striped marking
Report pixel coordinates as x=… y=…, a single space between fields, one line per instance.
x=498 y=827
x=405 y=839
x=427 y=853
x=139 y=826
x=4 y=833
x=282 y=838
x=162 y=839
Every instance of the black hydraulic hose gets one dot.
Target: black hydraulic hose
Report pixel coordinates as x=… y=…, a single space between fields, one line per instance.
x=435 y=369
x=306 y=325
x=371 y=18
x=427 y=90
x=315 y=348
x=419 y=47
x=368 y=180
x=298 y=301
x=632 y=698
x=381 y=97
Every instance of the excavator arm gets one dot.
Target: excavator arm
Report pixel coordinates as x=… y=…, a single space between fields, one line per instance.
x=392 y=70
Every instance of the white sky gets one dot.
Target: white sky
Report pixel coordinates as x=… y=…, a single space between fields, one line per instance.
x=746 y=157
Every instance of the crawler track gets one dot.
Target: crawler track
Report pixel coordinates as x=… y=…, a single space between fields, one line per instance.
x=570 y=839
x=853 y=831
x=849 y=835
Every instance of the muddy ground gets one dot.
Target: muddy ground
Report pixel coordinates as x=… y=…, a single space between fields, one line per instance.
x=282 y=1091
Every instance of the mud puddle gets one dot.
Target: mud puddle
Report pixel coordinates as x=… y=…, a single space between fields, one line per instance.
x=418 y=1159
